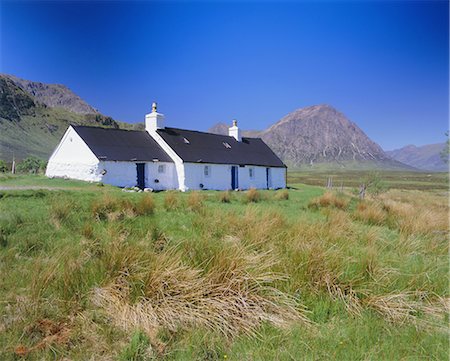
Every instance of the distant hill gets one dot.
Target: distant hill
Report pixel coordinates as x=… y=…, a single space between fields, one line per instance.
x=34 y=116
x=320 y=135
x=426 y=157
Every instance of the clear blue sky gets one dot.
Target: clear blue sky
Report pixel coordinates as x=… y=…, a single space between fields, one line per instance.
x=383 y=64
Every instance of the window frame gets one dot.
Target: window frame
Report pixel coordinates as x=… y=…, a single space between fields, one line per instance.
x=161 y=168
x=251 y=172
x=207 y=171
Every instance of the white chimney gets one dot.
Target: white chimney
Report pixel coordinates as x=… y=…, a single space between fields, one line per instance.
x=154 y=120
x=235 y=132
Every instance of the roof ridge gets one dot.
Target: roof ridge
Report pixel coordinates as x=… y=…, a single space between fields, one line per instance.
x=202 y=132
x=95 y=127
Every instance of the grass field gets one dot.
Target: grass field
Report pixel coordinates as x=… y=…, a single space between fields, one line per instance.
x=92 y=273
x=390 y=179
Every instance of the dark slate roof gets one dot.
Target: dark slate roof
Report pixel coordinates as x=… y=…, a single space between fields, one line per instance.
x=121 y=145
x=210 y=148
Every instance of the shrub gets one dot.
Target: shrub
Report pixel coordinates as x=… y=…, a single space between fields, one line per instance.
x=31 y=165
x=3 y=166
x=171 y=201
x=282 y=195
x=195 y=201
x=252 y=196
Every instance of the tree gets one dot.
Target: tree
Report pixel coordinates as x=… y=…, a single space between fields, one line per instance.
x=445 y=153
x=3 y=166
x=31 y=165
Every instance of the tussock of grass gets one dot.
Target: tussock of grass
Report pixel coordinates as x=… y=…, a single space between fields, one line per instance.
x=282 y=195
x=122 y=283
x=370 y=212
x=329 y=199
x=252 y=196
x=195 y=201
x=234 y=296
x=224 y=197
x=171 y=201
x=113 y=208
x=145 y=206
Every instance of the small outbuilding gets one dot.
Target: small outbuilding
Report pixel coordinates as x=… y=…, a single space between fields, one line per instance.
x=166 y=158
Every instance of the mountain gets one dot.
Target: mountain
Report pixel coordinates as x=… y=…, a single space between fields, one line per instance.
x=426 y=157
x=222 y=128
x=34 y=116
x=53 y=95
x=320 y=134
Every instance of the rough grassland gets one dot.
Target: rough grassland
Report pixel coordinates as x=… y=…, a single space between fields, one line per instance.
x=93 y=273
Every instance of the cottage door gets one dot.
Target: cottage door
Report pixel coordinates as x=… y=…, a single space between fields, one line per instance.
x=234 y=177
x=140 y=170
x=268 y=178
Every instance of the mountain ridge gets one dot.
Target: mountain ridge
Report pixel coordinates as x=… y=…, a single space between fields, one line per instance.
x=321 y=134
x=424 y=157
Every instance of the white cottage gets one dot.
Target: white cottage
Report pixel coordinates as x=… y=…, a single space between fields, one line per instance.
x=166 y=158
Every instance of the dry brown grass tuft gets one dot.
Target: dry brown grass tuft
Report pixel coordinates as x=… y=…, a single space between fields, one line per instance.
x=252 y=196
x=412 y=218
x=412 y=307
x=195 y=201
x=145 y=205
x=329 y=199
x=282 y=195
x=234 y=296
x=225 y=197
x=369 y=212
x=171 y=201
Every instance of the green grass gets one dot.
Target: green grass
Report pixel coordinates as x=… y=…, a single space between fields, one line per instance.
x=362 y=287
x=353 y=178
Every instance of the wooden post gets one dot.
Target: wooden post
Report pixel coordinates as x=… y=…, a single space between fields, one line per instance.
x=362 y=191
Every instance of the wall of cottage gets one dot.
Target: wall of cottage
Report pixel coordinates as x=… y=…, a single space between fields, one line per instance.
x=124 y=174
x=73 y=159
x=218 y=177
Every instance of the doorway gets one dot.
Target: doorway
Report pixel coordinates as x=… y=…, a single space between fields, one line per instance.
x=268 y=178
x=140 y=175
x=234 y=177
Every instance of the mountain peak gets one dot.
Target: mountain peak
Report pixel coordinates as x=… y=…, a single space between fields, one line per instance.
x=53 y=95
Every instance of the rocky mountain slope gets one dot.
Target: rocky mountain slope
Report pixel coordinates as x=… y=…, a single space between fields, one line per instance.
x=53 y=95
x=426 y=157
x=29 y=125
x=321 y=135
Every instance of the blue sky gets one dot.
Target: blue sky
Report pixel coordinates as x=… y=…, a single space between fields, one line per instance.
x=384 y=64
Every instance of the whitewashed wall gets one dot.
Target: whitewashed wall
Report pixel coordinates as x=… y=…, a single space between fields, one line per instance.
x=73 y=159
x=124 y=174
x=278 y=177
x=220 y=177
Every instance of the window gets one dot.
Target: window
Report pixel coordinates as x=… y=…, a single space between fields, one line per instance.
x=186 y=141
x=251 y=173
x=226 y=145
x=161 y=168
x=207 y=170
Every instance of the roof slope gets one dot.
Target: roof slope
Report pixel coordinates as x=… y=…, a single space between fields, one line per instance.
x=121 y=145
x=200 y=147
